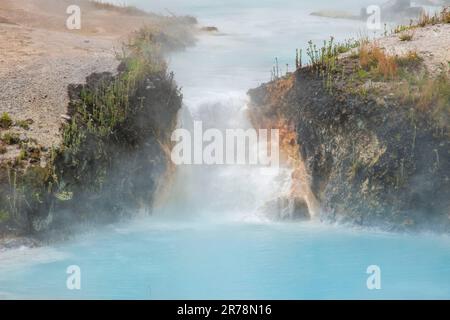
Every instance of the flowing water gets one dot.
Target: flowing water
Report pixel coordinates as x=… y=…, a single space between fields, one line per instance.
x=209 y=239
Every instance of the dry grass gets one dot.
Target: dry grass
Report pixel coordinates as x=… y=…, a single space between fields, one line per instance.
x=377 y=61
x=131 y=10
x=427 y=19
x=428 y=95
x=445 y=15
x=406 y=36
x=410 y=60
x=434 y=94
x=364 y=56
x=5 y=121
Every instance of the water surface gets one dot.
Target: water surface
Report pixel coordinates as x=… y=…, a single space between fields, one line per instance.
x=209 y=241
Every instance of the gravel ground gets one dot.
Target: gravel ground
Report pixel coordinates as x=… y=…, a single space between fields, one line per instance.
x=39 y=58
x=34 y=78
x=432 y=43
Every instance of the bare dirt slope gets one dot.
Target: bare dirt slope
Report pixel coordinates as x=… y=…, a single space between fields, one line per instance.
x=40 y=57
x=432 y=43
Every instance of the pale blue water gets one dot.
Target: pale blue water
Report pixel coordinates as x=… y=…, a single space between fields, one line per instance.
x=157 y=260
x=209 y=240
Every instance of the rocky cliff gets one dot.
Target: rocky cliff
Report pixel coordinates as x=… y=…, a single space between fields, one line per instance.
x=110 y=157
x=372 y=130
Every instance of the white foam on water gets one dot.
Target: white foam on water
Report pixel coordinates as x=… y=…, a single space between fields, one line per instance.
x=13 y=259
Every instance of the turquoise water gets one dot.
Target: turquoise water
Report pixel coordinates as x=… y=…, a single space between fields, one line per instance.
x=210 y=239
x=156 y=260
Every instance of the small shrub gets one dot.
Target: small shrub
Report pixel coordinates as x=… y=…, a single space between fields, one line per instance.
x=5 y=121
x=362 y=74
x=324 y=60
x=402 y=28
x=406 y=36
x=346 y=46
x=364 y=56
x=429 y=94
x=377 y=61
x=428 y=19
x=11 y=138
x=23 y=124
x=22 y=155
x=3 y=149
x=441 y=112
x=445 y=15
x=410 y=60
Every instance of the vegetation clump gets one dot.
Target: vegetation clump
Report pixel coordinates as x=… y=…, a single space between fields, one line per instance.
x=426 y=19
x=114 y=148
x=375 y=60
x=11 y=138
x=24 y=124
x=403 y=76
x=126 y=9
x=406 y=36
x=5 y=121
x=432 y=19
x=119 y=127
x=324 y=61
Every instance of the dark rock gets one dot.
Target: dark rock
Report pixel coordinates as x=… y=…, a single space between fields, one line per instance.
x=19 y=242
x=369 y=165
x=286 y=208
x=300 y=210
x=210 y=29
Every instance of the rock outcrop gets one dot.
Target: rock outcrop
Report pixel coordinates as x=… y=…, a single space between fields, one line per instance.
x=105 y=154
x=375 y=145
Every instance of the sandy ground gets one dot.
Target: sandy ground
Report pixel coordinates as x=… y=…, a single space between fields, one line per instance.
x=36 y=70
x=40 y=57
x=432 y=43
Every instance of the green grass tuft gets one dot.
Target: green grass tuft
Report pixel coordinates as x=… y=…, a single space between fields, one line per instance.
x=22 y=124
x=406 y=37
x=11 y=138
x=5 y=121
